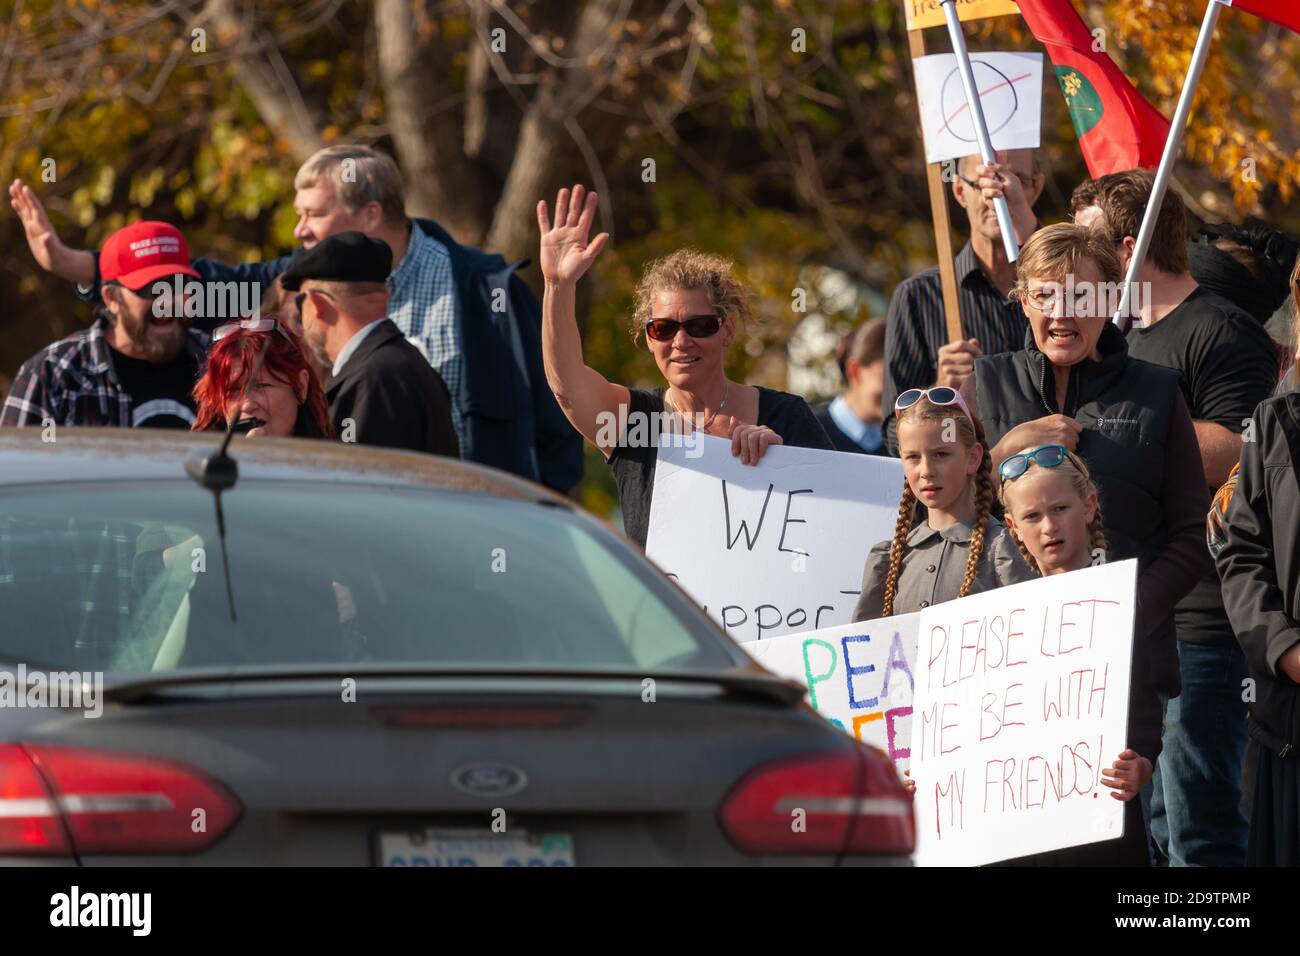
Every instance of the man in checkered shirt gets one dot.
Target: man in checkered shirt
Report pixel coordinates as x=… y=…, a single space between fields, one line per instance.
x=475 y=321
x=137 y=364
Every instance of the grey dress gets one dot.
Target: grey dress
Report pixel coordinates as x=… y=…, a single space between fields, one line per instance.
x=933 y=566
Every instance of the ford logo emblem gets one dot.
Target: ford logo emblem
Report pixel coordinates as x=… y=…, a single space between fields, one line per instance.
x=488 y=779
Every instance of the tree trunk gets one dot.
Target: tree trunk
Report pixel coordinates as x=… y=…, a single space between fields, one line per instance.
x=545 y=150
x=440 y=181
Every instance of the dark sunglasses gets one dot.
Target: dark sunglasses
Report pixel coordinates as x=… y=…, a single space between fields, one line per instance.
x=147 y=292
x=697 y=327
x=1045 y=456
x=267 y=324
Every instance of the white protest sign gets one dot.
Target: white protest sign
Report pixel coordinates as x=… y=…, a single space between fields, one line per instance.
x=859 y=677
x=773 y=548
x=1011 y=92
x=1021 y=701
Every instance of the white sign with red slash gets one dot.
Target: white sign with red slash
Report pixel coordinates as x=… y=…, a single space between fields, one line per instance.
x=1011 y=93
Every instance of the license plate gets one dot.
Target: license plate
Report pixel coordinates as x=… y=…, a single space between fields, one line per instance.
x=474 y=848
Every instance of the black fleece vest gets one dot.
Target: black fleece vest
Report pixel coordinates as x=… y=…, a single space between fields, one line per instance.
x=1124 y=406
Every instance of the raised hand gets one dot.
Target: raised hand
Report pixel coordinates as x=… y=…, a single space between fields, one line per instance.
x=41 y=237
x=566 y=254
x=75 y=265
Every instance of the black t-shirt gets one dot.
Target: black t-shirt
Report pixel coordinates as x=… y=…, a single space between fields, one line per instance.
x=1228 y=365
x=634 y=467
x=162 y=394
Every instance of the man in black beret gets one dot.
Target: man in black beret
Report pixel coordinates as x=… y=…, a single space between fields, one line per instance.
x=382 y=390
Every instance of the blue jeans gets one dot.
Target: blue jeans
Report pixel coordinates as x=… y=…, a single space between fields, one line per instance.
x=1196 y=817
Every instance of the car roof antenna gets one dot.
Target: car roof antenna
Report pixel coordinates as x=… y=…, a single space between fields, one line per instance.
x=218 y=472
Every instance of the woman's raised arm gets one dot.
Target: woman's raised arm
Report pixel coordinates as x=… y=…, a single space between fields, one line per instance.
x=585 y=395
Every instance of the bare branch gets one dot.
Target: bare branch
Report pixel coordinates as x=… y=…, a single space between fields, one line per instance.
x=266 y=79
x=751 y=58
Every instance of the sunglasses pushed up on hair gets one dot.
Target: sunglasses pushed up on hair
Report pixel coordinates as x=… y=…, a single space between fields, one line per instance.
x=267 y=324
x=697 y=327
x=1044 y=456
x=938 y=395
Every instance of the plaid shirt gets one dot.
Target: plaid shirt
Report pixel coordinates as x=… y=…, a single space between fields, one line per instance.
x=422 y=303
x=72 y=382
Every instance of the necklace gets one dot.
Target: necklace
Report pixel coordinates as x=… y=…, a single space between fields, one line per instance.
x=726 y=392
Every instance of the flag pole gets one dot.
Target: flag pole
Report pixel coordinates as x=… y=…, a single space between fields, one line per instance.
x=981 y=127
x=942 y=225
x=1172 y=144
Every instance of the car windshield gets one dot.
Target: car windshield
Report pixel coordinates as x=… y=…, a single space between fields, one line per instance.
x=130 y=578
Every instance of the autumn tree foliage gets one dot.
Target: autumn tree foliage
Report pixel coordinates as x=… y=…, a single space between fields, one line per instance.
x=781 y=132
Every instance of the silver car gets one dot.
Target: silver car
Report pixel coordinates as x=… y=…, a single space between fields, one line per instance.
x=313 y=653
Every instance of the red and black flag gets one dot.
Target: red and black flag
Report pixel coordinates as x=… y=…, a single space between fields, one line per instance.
x=1284 y=13
x=1117 y=128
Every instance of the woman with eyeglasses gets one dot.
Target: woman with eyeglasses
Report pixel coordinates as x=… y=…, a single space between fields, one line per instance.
x=258 y=377
x=690 y=307
x=1074 y=385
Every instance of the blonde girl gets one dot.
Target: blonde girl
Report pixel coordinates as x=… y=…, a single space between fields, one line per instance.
x=1053 y=513
x=960 y=548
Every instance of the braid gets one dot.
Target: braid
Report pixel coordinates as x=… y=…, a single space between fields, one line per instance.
x=1029 y=558
x=983 y=501
x=1097 y=534
x=906 y=508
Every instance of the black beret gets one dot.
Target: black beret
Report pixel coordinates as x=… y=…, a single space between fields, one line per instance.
x=345 y=257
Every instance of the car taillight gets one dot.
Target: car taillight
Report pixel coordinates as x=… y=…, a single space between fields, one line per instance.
x=841 y=802
x=93 y=801
x=29 y=816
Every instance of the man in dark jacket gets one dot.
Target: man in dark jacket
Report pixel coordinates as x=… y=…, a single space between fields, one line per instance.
x=474 y=320
x=1259 y=566
x=382 y=391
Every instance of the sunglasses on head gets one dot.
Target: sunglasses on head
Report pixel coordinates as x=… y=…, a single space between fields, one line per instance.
x=267 y=324
x=1045 y=456
x=697 y=327
x=939 y=395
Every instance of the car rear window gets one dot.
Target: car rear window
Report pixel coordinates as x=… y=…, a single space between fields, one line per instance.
x=133 y=579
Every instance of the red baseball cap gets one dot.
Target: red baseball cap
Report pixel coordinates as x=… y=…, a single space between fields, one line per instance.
x=142 y=252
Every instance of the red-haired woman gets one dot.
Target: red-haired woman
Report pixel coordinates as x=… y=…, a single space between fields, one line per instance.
x=285 y=399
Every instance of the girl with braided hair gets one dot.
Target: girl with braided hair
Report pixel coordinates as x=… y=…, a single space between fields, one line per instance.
x=959 y=548
x=1053 y=514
